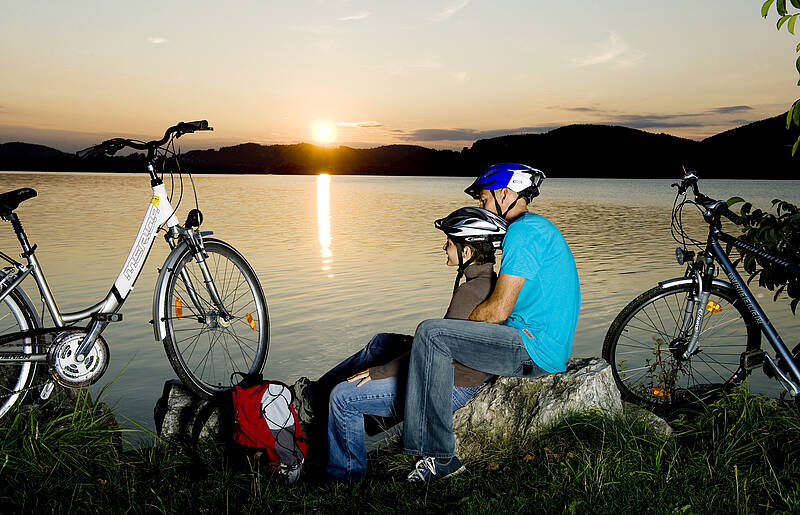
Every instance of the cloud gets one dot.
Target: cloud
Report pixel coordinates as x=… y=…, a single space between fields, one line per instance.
x=730 y=109
x=576 y=109
x=467 y=134
x=614 y=51
x=362 y=125
x=157 y=40
x=353 y=17
x=709 y=117
x=450 y=11
x=712 y=117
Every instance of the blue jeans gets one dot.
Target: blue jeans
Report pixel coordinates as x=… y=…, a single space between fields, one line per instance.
x=347 y=451
x=381 y=349
x=493 y=348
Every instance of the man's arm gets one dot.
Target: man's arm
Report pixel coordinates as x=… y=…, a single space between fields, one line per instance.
x=498 y=306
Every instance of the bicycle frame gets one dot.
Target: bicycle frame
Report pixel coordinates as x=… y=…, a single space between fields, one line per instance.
x=716 y=251
x=159 y=211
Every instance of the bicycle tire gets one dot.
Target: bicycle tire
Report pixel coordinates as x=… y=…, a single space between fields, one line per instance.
x=203 y=351
x=15 y=316
x=647 y=372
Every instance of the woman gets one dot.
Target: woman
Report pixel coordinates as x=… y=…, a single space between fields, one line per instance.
x=372 y=381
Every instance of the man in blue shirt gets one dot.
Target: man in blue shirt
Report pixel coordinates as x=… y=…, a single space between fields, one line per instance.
x=524 y=329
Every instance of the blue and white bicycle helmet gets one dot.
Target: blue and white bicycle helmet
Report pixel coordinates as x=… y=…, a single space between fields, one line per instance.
x=519 y=178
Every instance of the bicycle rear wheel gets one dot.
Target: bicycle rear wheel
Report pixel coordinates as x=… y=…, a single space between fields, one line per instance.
x=15 y=316
x=644 y=347
x=203 y=345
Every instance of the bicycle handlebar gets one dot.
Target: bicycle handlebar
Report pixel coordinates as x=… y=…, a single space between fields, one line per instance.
x=713 y=208
x=114 y=145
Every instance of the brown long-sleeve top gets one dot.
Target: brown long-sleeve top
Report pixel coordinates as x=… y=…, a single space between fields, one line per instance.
x=479 y=282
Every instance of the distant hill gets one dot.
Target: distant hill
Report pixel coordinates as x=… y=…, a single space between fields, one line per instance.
x=757 y=150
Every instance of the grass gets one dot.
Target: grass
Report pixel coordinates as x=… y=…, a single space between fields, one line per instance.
x=737 y=455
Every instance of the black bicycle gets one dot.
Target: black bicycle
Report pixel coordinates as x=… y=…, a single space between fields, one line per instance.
x=696 y=335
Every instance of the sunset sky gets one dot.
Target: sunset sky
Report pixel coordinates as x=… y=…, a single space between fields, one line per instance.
x=438 y=73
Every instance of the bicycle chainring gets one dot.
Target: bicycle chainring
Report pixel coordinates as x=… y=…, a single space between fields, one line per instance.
x=68 y=371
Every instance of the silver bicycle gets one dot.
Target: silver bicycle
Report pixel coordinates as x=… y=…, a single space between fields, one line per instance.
x=208 y=306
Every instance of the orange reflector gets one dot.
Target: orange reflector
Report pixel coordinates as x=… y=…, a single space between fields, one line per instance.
x=178 y=308
x=251 y=321
x=659 y=392
x=713 y=307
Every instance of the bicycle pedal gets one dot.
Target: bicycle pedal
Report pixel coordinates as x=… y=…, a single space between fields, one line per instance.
x=47 y=389
x=752 y=359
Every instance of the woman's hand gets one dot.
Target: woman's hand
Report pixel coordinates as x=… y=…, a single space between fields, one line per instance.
x=362 y=377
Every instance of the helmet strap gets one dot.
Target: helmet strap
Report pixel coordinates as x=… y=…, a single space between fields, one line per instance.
x=462 y=265
x=499 y=209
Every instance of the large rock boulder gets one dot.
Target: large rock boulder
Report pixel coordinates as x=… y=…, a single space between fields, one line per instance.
x=519 y=407
x=183 y=417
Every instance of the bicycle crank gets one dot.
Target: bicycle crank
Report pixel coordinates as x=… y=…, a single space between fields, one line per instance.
x=66 y=370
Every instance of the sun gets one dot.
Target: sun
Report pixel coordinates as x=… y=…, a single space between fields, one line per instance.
x=324 y=132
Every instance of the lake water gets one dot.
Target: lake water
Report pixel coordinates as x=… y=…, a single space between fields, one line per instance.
x=343 y=257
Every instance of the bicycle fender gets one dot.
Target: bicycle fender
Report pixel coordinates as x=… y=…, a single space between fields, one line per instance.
x=689 y=280
x=25 y=298
x=159 y=295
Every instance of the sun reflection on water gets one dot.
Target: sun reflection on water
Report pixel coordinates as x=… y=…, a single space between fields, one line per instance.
x=324 y=221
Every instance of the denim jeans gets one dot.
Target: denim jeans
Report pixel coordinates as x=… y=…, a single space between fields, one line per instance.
x=381 y=349
x=493 y=348
x=347 y=452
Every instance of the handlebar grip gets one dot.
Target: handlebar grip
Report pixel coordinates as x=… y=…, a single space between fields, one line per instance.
x=199 y=125
x=730 y=215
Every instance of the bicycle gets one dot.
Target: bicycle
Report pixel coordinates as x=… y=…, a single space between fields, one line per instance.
x=691 y=337
x=209 y=309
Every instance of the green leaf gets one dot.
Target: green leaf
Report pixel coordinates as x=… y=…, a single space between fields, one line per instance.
x=734 y=200
x=794 y=147
x=765 y=8
x=797 y=64
x=790 y=25
x=781 y=5
x=796 y=112
x=783 y=19
x=789 y=117
x=796 y=3
x=794 y=305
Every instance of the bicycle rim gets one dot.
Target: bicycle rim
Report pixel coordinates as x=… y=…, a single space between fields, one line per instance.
x=205 y=347
x=644 y=347
x=15 y=377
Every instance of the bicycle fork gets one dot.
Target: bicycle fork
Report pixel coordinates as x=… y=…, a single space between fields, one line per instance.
x=194 y=238
x=697 y=303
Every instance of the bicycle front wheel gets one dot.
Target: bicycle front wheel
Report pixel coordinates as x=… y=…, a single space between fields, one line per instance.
x=206 y=344
x=15 y=316
x=645 y=348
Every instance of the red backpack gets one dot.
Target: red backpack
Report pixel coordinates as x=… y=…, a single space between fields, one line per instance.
x=264 y=418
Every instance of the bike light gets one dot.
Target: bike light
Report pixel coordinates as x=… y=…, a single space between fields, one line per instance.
x=178 y=308
x=713 y=307
x=659 y=392
x=251 y=321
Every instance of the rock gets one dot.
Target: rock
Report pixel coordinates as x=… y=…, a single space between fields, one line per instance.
x=520 y=407
x=182 y=416
x=654 y=421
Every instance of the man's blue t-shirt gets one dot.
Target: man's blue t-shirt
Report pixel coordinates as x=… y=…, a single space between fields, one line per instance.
x=546 y=311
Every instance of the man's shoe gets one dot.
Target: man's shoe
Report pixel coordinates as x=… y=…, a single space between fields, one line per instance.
x=305 y=412
x=428 y=469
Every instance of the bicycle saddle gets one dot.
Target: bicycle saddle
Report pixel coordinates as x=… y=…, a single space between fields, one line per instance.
x=11 y=200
